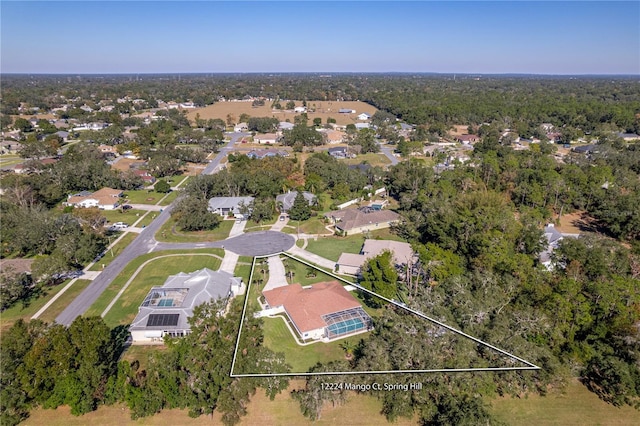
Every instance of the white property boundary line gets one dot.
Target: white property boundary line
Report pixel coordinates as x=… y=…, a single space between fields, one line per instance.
x=529 y=365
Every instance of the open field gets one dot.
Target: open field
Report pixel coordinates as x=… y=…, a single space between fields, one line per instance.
x=324 y=110
x=153 y=274
x=110 y=292
x=170 y=234
x=283 y=410
x=59 y=305
x=577 y=406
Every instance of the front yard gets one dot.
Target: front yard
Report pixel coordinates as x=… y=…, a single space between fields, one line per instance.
x=171 y=234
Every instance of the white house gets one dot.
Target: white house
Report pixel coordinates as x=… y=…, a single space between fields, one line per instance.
x=240 y=127
x=300 y=109
x=104 y=199
x=363 y=116
x=166 y=309
x=265 y=138
x=225 y=206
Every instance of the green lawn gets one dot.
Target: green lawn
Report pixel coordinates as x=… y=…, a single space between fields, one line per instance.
x=110 y=292
x=332 y=247
x=167 y=234
x=16 y=312
x=10 y=160
x=143 y=196
x=577 y=406
x=314 y=225
x=114 y=252
x=63 y=301
x=278 y=338
x=147 y=219
x=243 y=271
x=371 y=159
x=301 y=272
x=169 y=198
x=154 y=273
x=126 y=216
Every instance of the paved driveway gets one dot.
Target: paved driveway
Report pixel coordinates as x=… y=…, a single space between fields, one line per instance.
x=276 y=273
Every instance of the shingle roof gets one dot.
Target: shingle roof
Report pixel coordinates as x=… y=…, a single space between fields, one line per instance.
x=355 y=218
x=288 y=199
x=306 y=306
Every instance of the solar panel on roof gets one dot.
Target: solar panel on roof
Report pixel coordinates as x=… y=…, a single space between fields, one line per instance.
x=163 y=320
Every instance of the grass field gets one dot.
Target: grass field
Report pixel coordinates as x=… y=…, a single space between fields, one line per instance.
x=169 y=198
x=147 y=219
x=577 y=406
x=167 y=234
x=110 y=292
x=311 y=226
x=143 y=196
x=153 y=274
x=324 y=109
x=141 y=353
x=126 y=216
x=370 y=158
x=283 y=410
x=16 y=312
x=111 y=254
x=332 y=247
x=63 y=301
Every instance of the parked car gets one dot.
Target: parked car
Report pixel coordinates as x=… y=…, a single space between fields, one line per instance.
x=119 y=225
x=127 y=207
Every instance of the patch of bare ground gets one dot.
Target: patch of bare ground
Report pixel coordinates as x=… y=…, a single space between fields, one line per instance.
x=576 y=222
x=323 y=110
x=124 y=164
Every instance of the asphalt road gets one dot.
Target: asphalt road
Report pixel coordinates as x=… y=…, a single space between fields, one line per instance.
x=144 y=243
x=388 y=151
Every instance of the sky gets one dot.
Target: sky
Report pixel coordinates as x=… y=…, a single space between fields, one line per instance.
x=477 y=37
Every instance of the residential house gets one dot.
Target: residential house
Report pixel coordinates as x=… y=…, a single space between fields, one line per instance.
x=332 y=136
x=351 y=264
x=62 y=134
x=467 y=139
x=363 y=116
x=104 y=199
x=300 y=109
x=628 y=136
x=324 y=311
x=286 y=200
x=361 y=126
x=226 y=206
x=147 y=178
x=356 y=221
x=266 y=138
x=339 y=152
x=240 y=127
x=264 y=153
x=346 y=111
x=285 y=125
x=166 y=310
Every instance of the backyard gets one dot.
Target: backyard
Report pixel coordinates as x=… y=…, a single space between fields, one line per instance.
x=332 y=247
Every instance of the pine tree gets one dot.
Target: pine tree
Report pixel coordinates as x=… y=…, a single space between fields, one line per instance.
x=300 y=209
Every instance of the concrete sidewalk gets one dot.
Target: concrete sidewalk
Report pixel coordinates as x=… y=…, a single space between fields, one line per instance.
x=313 y=258
x=229 y=262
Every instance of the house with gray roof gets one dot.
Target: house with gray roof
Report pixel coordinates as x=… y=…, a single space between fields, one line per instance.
x=351 y=264
x=226 y=206
x=364 y=219
x=167 y=309
x=286 y=200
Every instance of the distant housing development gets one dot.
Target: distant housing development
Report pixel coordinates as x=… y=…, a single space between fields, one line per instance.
x=322 y=311
x=166 y=309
